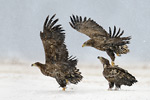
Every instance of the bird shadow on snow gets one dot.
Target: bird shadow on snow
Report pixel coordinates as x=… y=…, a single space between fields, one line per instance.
x=77 y=91
x=53 y=92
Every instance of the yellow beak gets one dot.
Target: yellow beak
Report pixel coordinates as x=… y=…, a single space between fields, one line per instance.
x=33 y=65
x=83 y=45
x=100 y=58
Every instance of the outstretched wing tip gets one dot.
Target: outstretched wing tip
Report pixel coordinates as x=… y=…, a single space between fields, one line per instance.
x=53 y=16
x=87 y=26
x=47 y=17
x=71 y=25
x=115 y=34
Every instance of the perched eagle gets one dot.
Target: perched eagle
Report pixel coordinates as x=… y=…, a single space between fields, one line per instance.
x=58 y=64
x=116 y=75
x=100 y=39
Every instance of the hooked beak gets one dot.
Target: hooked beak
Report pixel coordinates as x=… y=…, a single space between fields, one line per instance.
x=32 y=65
x=83 y=45
x=99 y=57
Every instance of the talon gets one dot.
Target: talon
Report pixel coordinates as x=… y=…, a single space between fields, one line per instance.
x=67 y=81
x=64 y=89
x=118 y=54
x=112 y=63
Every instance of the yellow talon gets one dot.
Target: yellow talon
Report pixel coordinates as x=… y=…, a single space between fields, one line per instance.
x=112 y=63
x=118 y=54
x=83 y=45
x=67 y=81
x=64 y=89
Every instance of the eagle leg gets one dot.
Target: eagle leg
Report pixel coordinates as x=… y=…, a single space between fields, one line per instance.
x=111 y=55
x=111 y=85
x=67 y=81
x=117 y=86
x=113 y=63
x=64 y=88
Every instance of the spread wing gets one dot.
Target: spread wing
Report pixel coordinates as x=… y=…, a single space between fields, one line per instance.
x=53 y=41
x=87 y=26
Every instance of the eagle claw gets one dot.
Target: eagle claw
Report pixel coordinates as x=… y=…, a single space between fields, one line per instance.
x=112 y=63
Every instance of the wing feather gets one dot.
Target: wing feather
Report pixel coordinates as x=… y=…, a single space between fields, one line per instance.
x=53 y=41
x=114 y=31
x=119 y=76
x=117 y=33
x=87 y=26
x=110 y=32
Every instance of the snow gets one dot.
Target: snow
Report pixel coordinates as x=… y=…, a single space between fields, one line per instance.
x=23 y=82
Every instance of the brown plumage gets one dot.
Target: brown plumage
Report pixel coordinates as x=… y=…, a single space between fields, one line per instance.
x=58 y=64
x=116 y=75
x=100 y=39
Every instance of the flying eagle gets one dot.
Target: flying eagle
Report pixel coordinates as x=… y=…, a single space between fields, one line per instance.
x=111 y=42
x=116 y=75
x=58 y=63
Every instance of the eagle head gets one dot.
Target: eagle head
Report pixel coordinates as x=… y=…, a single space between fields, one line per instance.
x=89 y=43
x=37 y=64
x=103 y=60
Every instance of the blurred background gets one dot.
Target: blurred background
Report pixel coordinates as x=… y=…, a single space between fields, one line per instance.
x=22 y=20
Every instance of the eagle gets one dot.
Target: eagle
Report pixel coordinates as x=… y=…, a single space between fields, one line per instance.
x=115 y=75
x=58 y=63
x=110 y=42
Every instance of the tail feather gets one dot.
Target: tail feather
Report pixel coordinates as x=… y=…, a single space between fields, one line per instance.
x=75 y=75
x=128 y=80
x=122 y=49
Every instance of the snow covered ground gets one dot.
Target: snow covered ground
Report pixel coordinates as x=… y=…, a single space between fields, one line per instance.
x=23 y=82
